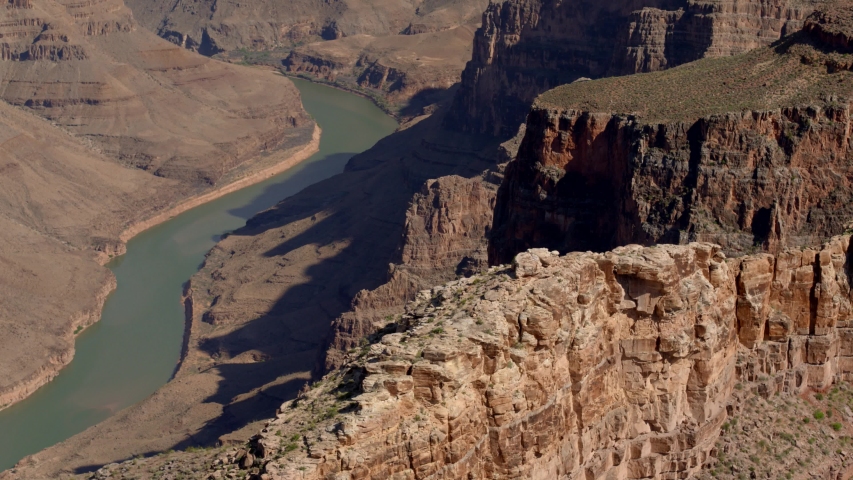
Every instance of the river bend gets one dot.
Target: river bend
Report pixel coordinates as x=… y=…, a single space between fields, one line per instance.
x=135 y=347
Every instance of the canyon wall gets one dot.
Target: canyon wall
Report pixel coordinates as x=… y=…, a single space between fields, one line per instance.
x=598 y=170
x=88 y=68
x=267 y=294
x=613 y=365
x=521 y=379
x=526 y=47
x=406 y=71
x=589 y=181
x=444 y=236
x=210 y=27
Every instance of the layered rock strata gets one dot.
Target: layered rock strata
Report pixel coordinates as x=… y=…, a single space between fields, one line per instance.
x=759 y=161
x=613 y=365
x=444 y=236
x=88 y=68
x=101 y=134
x=62 y=206
x=527 y=47
x=295 y=269
x=516 y=57
x=407 y=71
x=507 y=71
x=597 y=365
x=393 y=51
x=210 y=27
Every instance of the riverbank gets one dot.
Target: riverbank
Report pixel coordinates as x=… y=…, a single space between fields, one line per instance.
x=374 y=98
x=287 y=163
x=57 y=362
x=121 y=396
x=90 y=315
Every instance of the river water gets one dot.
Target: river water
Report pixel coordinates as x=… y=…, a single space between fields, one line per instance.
x=135 y=347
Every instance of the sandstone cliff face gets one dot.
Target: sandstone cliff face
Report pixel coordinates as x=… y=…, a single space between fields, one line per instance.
x=527 y=47
x=516 y=56
x=760 y=161
x=613 y=365
x=587 y=181
x=444 y=236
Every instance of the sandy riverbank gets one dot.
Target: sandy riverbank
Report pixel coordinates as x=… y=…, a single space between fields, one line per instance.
x=291 y=161
x=92 y=313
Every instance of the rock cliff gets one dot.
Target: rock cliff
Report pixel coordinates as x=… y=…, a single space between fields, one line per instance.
x=614 y=365
x=210 y=27
x=263 y=303
x=517 y=56
x=526 y=47
x=423 y=46
x=757 y=159
x=444 y=236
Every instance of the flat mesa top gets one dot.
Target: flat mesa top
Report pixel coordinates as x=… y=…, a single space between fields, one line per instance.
x=810 y=67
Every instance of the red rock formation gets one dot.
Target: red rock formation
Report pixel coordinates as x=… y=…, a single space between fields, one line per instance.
x=522 y=49
x=587 y=181
x=756 y=162
x=445 y=236
x=614 y=365
x=619 y=365
x=526 y=47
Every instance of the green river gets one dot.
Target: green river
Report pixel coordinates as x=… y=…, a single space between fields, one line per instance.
x=135 y=347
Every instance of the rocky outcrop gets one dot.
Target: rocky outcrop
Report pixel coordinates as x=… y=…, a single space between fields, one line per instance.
x=613 y=365
x=618 y=364
x=774 y=174
x=516 y=56
x=591 y=181
x=323 y=68
x=569 y=369
x=389 y=50
x=210 y=27
x=526 y=47
x=444 y=237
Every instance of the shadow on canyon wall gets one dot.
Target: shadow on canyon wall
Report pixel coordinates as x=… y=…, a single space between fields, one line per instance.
x=360 y=216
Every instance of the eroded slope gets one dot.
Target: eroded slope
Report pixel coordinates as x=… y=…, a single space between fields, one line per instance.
x=105 y=126
x=87 y=67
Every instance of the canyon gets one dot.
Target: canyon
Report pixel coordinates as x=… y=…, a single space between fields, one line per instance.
x=99 y=137
x=620 y=364
x=506 y=73
x=742 y=148
x=400 y=52
x=754 y=161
